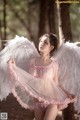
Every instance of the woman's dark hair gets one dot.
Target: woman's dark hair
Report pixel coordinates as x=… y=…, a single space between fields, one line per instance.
x=53 y=41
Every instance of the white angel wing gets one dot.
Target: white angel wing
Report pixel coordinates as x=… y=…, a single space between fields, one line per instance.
x=68 y=57
x=22 y=50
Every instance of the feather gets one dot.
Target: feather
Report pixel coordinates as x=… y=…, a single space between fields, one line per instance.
x=21 y=50
x=68 y=57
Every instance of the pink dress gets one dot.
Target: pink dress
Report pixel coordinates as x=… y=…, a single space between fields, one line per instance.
x=39 y=87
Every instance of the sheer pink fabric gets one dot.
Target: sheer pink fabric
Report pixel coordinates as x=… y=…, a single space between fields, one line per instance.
x=39 y=87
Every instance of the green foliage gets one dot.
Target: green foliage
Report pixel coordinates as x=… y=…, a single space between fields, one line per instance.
x=21 y=17
x=75 y=21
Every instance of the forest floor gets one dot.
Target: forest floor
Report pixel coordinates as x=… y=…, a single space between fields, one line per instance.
x=11 y=109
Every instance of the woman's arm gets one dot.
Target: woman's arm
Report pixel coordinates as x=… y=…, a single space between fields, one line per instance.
x=56 y=72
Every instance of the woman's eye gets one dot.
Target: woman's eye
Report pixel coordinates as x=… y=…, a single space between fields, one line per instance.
x=45 y=42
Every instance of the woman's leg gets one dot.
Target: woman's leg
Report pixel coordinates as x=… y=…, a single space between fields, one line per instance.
x=51 y=112
x=39 y=113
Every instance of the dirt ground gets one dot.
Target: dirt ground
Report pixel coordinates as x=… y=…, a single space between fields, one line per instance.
x=15 y=111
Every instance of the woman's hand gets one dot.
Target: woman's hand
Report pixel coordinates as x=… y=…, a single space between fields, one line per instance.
x=71 y=96
x=11 y=61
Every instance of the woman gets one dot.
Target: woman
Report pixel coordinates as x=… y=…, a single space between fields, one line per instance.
x=47 y=69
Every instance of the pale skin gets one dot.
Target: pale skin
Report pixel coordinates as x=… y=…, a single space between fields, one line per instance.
x=44 y=48
x=51 y=111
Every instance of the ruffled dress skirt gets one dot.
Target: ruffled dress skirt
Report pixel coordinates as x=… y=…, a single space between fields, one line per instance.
x=32 y=92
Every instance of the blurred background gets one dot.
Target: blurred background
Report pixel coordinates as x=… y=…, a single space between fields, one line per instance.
x=33 y=18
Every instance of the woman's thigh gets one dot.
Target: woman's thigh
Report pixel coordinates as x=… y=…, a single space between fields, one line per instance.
x=51 y=112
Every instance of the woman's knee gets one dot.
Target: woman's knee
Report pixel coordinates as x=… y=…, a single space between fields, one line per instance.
x=53 y=107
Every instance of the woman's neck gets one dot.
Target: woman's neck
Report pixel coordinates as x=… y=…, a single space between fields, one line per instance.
x=45 y=57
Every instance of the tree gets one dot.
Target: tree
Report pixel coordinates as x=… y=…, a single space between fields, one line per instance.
x=51 y=16
x=4 y=19
x=47 y=17
x=64 y=21
x=65 y=34
x=43 y=22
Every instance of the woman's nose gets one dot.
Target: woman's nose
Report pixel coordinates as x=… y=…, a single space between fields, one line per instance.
x=42 y=44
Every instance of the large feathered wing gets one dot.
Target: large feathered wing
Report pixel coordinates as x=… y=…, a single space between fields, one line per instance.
x=21 y=50
x=68 y=57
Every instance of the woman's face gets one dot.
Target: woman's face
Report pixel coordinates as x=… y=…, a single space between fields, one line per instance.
x=44 y=45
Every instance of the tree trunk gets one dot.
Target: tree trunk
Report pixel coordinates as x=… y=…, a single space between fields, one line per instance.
x=51 y=16
x=68 y=113
x=4 y=24
x=65 y=21
x=65 y=34
x=1 y=35
x=43 y=22
x=4 y=20
x=47 y=17
x=0 y=29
